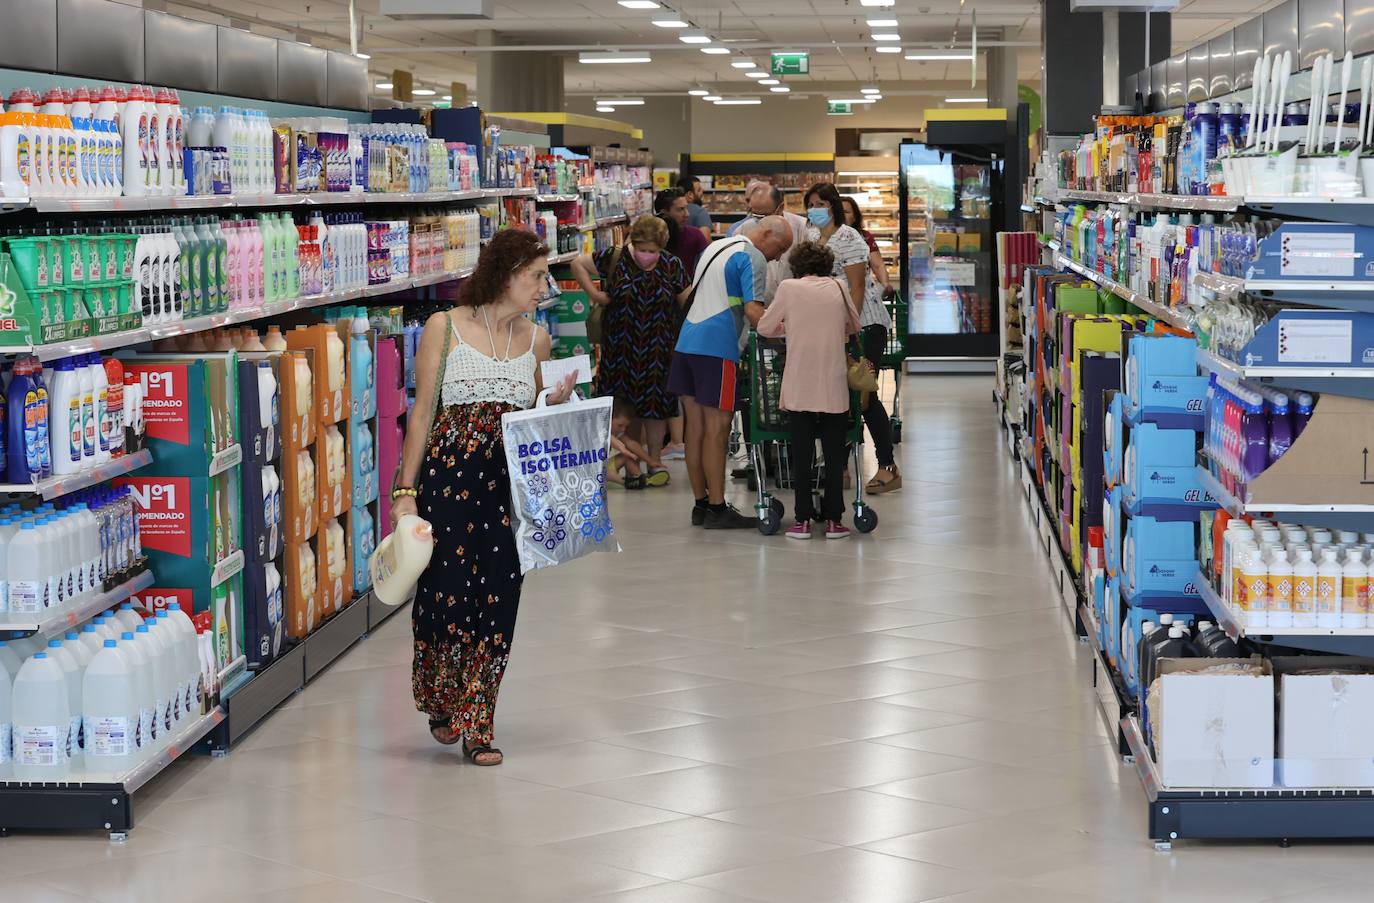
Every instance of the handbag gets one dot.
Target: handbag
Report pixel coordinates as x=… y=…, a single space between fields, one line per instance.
x=557 y=462
x=434 y=408
x=857 y=373
x=595 y=329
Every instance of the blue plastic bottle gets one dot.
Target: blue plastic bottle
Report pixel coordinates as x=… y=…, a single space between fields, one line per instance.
x=24 y=455
x=1254 y=437
x=1280 y=426
x=1302 y=414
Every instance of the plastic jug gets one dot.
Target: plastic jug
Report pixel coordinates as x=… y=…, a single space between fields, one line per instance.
x=142 y=651
x=164 y=677
x=71 y=676
x=189 y=666
x=41 y=714
x=334 y=361
x=401 y=558
x=363 y=376
x=111 y=711
x=9 y=659
x=268 y=414
x=274 y=340
x=6 y=698
x=26 y=559
x=128 y=618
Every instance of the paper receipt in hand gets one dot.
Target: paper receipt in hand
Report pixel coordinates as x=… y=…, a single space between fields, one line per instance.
x=553 y=371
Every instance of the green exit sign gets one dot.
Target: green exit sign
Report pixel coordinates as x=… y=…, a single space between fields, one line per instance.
x=796 y=63
x=838 y=109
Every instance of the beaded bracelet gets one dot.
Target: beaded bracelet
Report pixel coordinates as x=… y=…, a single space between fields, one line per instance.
x=401 y=490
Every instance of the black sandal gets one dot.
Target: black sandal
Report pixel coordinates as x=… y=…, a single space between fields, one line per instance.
x=449 y=736
x=472 y=752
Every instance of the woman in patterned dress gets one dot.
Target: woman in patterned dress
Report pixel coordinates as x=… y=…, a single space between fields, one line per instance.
x=642 y=287
x=453 y=474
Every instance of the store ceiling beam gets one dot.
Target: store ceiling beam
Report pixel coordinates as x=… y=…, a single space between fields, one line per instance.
x=676 y=45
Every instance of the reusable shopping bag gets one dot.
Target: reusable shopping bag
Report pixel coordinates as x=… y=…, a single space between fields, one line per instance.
x=557 y=460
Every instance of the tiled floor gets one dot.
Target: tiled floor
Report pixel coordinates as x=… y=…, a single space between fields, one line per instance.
x=713 y=718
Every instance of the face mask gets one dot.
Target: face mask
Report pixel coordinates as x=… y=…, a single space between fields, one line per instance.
x=819 y=216
x=647 y=259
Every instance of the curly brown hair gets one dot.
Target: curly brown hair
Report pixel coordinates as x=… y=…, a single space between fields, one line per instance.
x=811 y=259
x=509 y=251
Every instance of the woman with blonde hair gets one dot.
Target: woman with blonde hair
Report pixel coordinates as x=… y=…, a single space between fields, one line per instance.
x=642 y=287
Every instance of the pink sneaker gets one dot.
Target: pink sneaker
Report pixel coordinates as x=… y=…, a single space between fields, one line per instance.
x=836 y=530
x=800 y=530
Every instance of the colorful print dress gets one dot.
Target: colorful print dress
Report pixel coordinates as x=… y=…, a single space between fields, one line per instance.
x=466 y=601
x=639 y=331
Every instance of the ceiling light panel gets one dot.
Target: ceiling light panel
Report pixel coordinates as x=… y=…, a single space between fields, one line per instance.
x=614 y=57
x=881 y=22
x=716 y=51
x=888 y=48
x=639 y=4
x=769 y=81
x=886 y=36
x=673 y=21
x=744 y=64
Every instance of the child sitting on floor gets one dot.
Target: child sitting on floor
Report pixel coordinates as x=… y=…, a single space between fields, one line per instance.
x=628 y=455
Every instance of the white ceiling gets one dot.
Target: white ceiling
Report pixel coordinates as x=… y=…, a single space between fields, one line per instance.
x=842 y=53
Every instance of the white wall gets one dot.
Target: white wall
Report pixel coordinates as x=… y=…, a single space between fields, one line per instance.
x=782 y=124
x=665 y=121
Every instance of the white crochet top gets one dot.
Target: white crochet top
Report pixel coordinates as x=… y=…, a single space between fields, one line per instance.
x=471 y=376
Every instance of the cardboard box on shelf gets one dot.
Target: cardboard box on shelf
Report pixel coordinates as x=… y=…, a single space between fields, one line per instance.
x=1328 y=463
x=1214 y=728
x=302 y=593
x=330 y=352
x=1326 y=721
x=190 y=406
x=296 y=386
x=300 y=494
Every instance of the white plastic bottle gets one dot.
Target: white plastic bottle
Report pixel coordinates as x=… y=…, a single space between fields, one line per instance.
x=1329 y=589
x=71 y=678
x=9 y=659
x=133 y=134
x=100 y=386
x=1280 y=590
x=1354 y=590
x=88 y=429
x=128 y=618
x=153 y=738
x=273 y=491
x=400 y=559
x=143 y=692
x=169 y=634
x=41 y=714
x=181 y=623
x=26 y=557
x=92 y=639
x=164 y=677
x=111 y=711
x=64 y=417
x=6 y=698
x=1255 y=577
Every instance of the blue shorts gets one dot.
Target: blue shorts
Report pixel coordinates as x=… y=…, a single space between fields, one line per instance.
x=710 y=381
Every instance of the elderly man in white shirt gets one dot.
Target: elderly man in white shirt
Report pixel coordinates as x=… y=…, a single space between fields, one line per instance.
x=764 y=199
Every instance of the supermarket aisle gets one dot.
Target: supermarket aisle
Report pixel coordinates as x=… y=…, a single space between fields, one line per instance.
x=713 y=718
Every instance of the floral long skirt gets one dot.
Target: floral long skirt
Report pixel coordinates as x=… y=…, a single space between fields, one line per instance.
x=466 y=601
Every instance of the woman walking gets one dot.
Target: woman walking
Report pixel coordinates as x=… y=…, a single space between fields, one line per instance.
x=642 y=287
x=826 y=213
x=475 y=363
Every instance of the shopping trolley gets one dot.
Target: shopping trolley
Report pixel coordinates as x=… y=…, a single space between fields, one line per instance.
x=768 y=426
x=894 y=356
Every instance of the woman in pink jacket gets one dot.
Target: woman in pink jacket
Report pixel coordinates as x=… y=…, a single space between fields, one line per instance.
x=815 y=313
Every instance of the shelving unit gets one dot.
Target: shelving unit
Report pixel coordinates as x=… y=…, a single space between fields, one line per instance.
x=177 y=203
x=1276 y=812
x=63 y=484
x=1159 y=311
x=53 y=622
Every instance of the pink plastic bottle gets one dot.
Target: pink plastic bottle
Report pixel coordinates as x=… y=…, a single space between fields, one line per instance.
x=252 y=271
x=233 y=252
